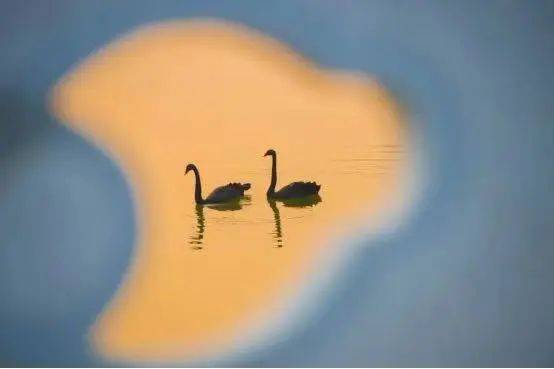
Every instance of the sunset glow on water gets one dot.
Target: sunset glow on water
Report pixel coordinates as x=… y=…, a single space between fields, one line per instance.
x=218 y=96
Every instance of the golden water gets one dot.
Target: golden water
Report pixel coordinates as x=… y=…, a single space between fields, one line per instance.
x=219 y=96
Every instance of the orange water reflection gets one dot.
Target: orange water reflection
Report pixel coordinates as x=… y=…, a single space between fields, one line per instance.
x=219 y=96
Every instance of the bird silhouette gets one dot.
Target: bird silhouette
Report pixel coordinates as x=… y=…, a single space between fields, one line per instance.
x=292 y=190
x=230 y=192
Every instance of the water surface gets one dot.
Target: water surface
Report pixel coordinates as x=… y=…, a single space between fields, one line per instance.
x=219 y=96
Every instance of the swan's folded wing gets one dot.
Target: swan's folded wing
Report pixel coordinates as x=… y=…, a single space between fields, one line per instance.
x=228 y=192
x=299 y=189
x=240 y=186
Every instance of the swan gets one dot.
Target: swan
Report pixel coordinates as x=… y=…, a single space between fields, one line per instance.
x=290 y=191
x=222 y=194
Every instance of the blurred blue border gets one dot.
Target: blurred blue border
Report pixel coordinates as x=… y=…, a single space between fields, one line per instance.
x=467 y=282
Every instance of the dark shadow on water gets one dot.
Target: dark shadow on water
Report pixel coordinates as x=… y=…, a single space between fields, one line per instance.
x=302 y=202
x=197 y=239
x=277 y=233
x=296 y=203
x=231 y=205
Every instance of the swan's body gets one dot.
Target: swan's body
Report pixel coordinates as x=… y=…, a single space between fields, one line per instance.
x=296 y=189
x=222 y=194
x=226 y=193
x=292 y=190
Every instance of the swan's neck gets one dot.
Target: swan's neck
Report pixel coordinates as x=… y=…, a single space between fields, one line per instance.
x=198 y=188
x=271 y=189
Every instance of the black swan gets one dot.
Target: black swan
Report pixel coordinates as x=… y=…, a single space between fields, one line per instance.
x=290 y=191
x=222 y=194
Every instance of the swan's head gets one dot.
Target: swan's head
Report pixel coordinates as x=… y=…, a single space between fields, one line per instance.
x=270 y=152
x=189 y=168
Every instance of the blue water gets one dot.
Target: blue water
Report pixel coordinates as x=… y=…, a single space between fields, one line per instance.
x=467 y=281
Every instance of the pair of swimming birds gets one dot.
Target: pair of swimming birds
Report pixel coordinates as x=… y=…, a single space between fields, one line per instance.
x=234 y=191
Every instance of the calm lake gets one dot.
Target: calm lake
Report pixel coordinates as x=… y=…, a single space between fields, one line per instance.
x=219 y=96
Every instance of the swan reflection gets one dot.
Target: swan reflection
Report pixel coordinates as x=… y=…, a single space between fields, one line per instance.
x=197 y=239
x=295 y=203
x=277 y=233
x=302 y=202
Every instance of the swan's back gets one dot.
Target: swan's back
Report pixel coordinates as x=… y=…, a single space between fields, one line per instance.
x=228 y=192
x=298 y=189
